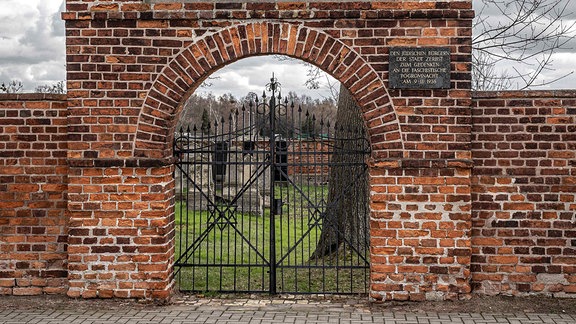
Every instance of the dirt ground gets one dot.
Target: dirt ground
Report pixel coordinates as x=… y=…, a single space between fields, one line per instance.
x=491 y=304
x=478 y=304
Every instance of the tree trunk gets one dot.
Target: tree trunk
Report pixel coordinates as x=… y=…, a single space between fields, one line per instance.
x=345 y=221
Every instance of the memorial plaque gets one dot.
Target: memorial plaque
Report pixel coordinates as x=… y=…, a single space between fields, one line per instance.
x=419 y=67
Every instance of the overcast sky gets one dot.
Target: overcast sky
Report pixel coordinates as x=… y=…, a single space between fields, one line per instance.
x=32 y=51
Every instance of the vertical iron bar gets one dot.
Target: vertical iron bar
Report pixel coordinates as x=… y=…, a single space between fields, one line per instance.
x=249 y=277
x=304 y=156
x=211 y=157
x=272 y=181
x=194 y=193
x=187 y=205
x=225 y=259
x=292 y=201
x=338 y=234
x=319 y=158
x=181 y=214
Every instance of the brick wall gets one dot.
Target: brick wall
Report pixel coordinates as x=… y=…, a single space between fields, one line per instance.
x=524 y=193
x=131 y=63
x=523 y=197
x=307 y=158
x=461 y=198
x=121 y=230
x=420 y=230
x=33 y=185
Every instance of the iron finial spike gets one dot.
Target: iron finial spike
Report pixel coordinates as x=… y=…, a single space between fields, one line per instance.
x=181 y=129
x=188 y=129
x=194 y=129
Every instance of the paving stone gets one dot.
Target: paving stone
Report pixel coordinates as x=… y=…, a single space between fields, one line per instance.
x=263 y=312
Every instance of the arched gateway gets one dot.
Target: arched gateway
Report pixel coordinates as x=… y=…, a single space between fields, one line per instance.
x=132 y=64
x=216 y=50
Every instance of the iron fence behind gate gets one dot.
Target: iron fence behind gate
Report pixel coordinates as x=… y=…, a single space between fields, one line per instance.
x=256 y=200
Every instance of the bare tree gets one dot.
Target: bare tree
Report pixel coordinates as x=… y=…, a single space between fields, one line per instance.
x=227 y=105
x=316 y=78
x=345 y=220
x=59 y=87
x=11 y=87
x=522 y=34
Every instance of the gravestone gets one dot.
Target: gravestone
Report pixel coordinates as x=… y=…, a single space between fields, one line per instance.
x=240 y=188
x=199 y=185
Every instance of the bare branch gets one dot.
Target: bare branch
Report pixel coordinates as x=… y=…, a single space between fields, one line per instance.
x=59 y=87
x=209 y=81
x=524 y=32
x=11 y=87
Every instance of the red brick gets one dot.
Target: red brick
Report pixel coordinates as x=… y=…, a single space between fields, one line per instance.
x=422 y=144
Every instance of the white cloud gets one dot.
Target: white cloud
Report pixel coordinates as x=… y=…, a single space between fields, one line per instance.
x=253 y=73
x=564 y=65
x=32 y=50
x=32 y=42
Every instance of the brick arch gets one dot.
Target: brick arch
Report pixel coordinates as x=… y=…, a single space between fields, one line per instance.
x=192 y=65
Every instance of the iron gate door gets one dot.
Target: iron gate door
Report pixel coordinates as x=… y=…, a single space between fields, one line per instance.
x=257 y=203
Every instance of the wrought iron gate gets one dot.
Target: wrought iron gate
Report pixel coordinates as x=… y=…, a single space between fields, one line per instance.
x=253 y=198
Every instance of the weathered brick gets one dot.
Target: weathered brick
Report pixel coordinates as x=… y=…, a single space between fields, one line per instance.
x=422 y=204
x=525 y=194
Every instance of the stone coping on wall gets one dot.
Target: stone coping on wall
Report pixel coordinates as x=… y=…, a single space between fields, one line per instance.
x=269 y=9
x=561 y=93
x=32 y=96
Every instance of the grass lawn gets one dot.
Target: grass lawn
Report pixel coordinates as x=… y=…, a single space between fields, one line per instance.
x=229 y=251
